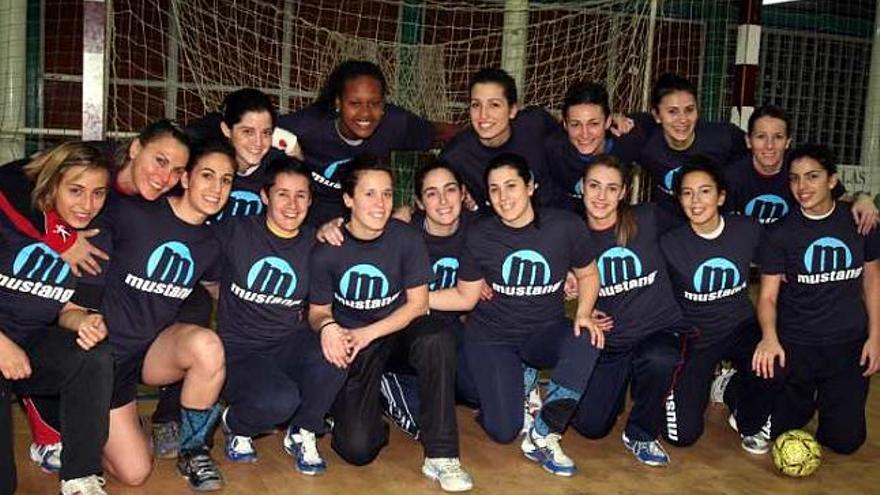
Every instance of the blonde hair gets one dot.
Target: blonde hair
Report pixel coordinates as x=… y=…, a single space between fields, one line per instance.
x=47 y=168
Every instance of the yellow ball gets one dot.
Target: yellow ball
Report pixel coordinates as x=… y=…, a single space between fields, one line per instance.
x=796 y=453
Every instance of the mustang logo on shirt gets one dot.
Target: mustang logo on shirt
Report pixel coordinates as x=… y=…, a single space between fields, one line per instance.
x=526 y=273
x=364 y=286
x=169 y=272
x=620 y=270
x=828 y=260
x=37 y=270
x=715 y=278
x=270 y=280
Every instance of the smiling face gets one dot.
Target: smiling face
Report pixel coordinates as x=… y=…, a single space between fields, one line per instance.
x=81 y=194
x=208 y=184
x=677 y=114
x=511 y=196
x=251 y=137
x=361 y=107
x=700 y=199
x=287 y=202
x=603 y=192
x=768 y=141
x=491 y=113
x=157 y=166
x=586 y=125
x=440 y=197
x=370 y=204
x=811 y=185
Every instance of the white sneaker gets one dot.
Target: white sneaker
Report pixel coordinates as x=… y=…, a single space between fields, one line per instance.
x=448 y=472
x=303 y=446
x=546 y=451
x=88 y=485
x=757 y=444
x=48 y=456
x=719 y=385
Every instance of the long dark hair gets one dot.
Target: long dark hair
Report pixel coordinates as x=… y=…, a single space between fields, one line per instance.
x=523 y=170
x=626 y=227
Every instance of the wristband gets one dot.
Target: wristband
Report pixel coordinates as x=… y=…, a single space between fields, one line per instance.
x=326 y=324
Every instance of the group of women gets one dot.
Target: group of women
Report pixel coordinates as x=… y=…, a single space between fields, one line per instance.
x=322 y=294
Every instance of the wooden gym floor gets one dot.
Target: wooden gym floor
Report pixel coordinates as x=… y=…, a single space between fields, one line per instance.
x=715 y=465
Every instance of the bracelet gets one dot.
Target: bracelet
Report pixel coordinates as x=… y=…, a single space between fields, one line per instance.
x=325 y=324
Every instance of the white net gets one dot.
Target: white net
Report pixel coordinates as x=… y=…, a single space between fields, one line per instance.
x=179 y=58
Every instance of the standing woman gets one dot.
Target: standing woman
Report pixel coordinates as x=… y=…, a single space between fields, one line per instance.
x=524 y=255
x=498 y=126
x=819 y=309
x=636 y=308
x=682 y=134
x=369 y=303
x=758 y=183
x=160 y=251
x=67 y=186
x=351 y=117
x=587 y=119
x=709 y=261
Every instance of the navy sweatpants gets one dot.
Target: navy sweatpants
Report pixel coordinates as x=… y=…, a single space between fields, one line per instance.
x=497 y=369
x=828 y=380
x=267 y=386
x=750 y=396
x=649 y=365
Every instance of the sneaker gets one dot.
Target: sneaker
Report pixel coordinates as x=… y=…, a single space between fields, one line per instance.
x=648 y=452
x=166 y=439
x=200 y=471
x=757 y=444
x=719 y=385
x=546 y=451
x=448 y=472
x=87 y=485
x=303 y=446
x=48 y=457
x=239 y=448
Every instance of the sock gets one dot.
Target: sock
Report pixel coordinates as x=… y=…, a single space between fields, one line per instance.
x=559 y=406
x=195 y=425
x=530 y=379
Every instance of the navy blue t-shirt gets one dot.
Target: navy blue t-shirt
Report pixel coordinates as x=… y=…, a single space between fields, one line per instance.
x=325 y=152
x=766 y=198
x=567 y=164
x=264 y=281
x=529 y=129
x=711 y=277
x=448 y=256
x=526 y=268
x=634 y=284
x=820 y=300
x=156 y=260
x=34 y=284
x=721 y=142
x=366 y=281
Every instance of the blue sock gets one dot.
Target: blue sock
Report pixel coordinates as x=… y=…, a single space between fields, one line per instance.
x=559 y=406
x=195 y=425
x=530 y=379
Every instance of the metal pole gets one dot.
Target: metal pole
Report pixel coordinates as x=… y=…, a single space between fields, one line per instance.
x=13 y=65
x=649 y=62
x=513 y=47
x=748 y=48
x=871 y=128
x=171 y=60
x=94 y=70
x=286 y=50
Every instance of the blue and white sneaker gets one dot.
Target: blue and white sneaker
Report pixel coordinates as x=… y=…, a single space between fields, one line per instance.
x=239 y=448
x=303 y=446
x=648 y=452
x=719 y=385
x=546 y=451
x=759 y=443
x=48 y=457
